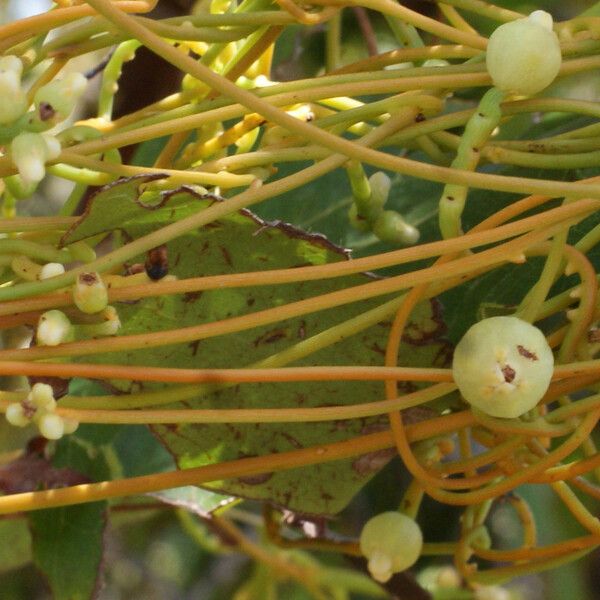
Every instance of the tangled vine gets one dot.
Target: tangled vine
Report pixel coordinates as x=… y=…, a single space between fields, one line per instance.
x=430 y=109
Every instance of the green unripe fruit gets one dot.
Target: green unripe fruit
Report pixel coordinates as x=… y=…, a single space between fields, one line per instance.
x=391 y=542
x=56 y=100
x=89 y=293
x=503 y=366
x=392 y=228
x=524 y=56
x=29 y=153
x=380 y=185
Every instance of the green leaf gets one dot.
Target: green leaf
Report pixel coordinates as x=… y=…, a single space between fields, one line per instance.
x=122 y=202
x=68 y=548
x=241 y=242
x=15 y=544
x=68 y=543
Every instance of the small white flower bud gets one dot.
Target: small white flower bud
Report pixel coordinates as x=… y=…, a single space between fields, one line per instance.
x=448 y=577
x=54 y=328
x=51 y=426
x=29 y=152
x=15 y=415
x=89 y=293
x=380 y=185
x=51 y=270
x=491 y=592
x=42 y=397
x=13 y=101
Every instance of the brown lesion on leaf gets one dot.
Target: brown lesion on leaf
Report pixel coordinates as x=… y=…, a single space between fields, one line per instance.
x=194 y=347
x=192 y=296
x=526 y=353
x=301 y=333
x=270 y=337
x=367 y=464
x=426 y=329
x=377 y=348
x=226 y=255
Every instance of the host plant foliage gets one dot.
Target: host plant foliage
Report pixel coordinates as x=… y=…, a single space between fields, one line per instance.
x=463 y=172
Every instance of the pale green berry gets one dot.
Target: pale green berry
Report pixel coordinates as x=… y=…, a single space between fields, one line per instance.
x=491 y=592
x=51 y=426
x=81 y=251
x=380 y=185
x=89 y=293
x=29 y=153
x=390 y=227
x=56 y=100
x=524 y=56
x=503 y=366
x=13 y=100
x=54 y=328
x=448 y=577
x=109 y=325
x=16 y=415
x=42 y=397
x=51 y=270
x=69 y=425
x=391 y=542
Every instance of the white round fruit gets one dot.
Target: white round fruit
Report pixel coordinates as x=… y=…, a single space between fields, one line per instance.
x=503 y=366
x=524 y=56
x=51 y=426
x=391 y=542
x=15 y=415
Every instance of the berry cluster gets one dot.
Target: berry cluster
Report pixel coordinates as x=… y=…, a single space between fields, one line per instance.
x=39 y=407
x=26 y=130
x=90 y=295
